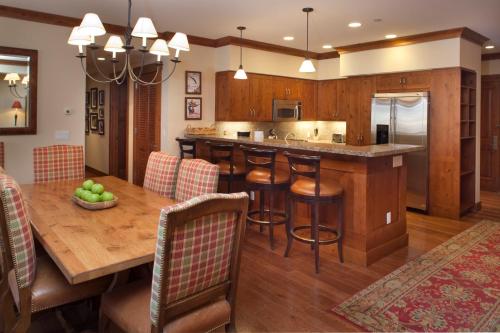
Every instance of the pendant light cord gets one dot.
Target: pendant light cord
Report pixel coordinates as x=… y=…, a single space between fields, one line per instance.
x=307 y=37
x=241 y=48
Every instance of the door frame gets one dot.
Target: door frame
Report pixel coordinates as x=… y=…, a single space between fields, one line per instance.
x=113 y=125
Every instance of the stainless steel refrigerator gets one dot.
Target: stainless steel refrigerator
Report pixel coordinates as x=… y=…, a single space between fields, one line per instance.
x=402 y=118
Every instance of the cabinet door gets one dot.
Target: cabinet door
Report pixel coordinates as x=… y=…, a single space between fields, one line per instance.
x=279 y=87
x=389 y=82
x=408 y=81
x=222 y=96
x=358 y=93
x=308 y=93
x=239 y=107
x=367 y=89
x=327 y=100
x=294 y=88
x=261 y=97
x=417 y=80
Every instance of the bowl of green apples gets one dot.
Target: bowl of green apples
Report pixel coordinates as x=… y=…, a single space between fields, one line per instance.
x=93 y=196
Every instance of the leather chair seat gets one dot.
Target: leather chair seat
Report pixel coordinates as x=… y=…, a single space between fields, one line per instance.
x=307 y=187
x=128 y=308
x=224 y=168
x=50 y=288
x=263 y=176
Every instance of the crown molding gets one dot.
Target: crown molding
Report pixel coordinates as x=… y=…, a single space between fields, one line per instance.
x=490 y=56
x=462 y=32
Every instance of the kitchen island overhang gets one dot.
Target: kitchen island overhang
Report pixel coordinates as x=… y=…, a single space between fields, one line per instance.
x=374 y=181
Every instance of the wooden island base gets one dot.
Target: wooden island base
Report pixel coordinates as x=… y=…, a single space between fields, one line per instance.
x=374 y=194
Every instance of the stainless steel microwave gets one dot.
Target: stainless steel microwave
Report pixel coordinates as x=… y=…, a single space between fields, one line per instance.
x=286 y=110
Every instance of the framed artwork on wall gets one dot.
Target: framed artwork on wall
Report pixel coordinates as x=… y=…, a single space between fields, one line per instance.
x=193 y=108
x=101 y=126
x=87 y=125
x=193 y=83
x=93 y=98
x=87 y=99
x=101 y=113
x=93 y=122
x=101 y=97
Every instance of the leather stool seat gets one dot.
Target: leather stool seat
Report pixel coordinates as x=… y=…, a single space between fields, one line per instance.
x=263 y=176
x=128 y=307
x=225 y=167
x=307 y=187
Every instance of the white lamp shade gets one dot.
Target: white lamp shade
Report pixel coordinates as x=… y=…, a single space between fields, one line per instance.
x=25 y=80
x=144 y=28
x=240 y=74
x=91 y=25
x=77 y=38
x=179 y=42
x=12 y=77
x=159 y=47
x=114 y=44
x=307 y=66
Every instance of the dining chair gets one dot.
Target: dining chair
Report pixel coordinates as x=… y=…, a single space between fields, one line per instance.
x=196 y=177
x=58 y=162
x=31 y=284
x=161 y=173
x=195 y=274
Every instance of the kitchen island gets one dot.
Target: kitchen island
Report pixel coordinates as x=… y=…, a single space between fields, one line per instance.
x=374 y=182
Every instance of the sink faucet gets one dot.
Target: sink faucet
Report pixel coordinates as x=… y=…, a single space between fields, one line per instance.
x=288 y=135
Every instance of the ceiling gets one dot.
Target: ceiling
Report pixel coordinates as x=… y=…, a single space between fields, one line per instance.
x=270 y=20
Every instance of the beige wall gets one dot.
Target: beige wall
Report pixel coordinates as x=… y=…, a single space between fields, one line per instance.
x=61 y=85
x=96 y=145
x=491 y=67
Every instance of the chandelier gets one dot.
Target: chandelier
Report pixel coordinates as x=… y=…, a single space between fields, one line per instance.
x=91 y=27
x=12 y=78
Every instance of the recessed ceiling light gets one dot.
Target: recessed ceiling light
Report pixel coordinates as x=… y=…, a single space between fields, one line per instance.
x=101 y=59
x=377 y=20
x=354 y=25
x=391 y=36
x=327 y=46
x=489 y=47
x=288 y=38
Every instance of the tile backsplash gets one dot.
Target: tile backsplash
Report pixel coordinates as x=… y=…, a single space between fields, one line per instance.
x=301 y=129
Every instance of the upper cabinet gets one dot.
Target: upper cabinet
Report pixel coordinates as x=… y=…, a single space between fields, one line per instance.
x=409 y=81
x=327 y=108
x=260 y=97
x=308 y=96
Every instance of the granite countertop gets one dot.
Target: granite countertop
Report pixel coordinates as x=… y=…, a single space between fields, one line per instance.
x=332 y=148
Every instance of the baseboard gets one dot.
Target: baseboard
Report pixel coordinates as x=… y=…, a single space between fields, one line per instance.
x=95 y=171
x=477 y=206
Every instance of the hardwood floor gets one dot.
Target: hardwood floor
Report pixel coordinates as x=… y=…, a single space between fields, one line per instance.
x=278 y=294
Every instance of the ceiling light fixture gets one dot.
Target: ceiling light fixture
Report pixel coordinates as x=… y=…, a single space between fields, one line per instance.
x=390 y=36
x=240 y=73
x=489 y=47
x=307 y=65
x=354 y=25
x=327 y=46
x=12 y=78
x=288 y=38
x=91 y=26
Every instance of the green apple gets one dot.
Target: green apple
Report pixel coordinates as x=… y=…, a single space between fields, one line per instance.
x=97 y=189
x=93 y=197
x=85 y=195
x=107 y=196
x=78 y=192
x=87 y=185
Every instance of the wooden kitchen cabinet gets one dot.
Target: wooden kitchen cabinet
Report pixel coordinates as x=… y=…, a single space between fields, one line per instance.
x=308 y=96
x=260 y=97
x=409 y=81
x=356 y=98
x=232 y=98
x=327 y=108
x=286 y=88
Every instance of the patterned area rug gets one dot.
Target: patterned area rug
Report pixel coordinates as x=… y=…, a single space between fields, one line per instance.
x=454 y=287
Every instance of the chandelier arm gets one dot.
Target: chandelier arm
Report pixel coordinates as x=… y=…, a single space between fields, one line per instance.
x=98 y=69
x=165 y=79
x=142 y=65
x=123 y=74
x=134 y=76
x=91 y=77
x=15 y=93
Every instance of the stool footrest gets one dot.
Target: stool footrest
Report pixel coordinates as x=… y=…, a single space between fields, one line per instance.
x=312 y=241
x=281 y=214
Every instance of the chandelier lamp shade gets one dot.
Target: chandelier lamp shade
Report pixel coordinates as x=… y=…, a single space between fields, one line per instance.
x=91 y=27
x=13 y=78
x=307 y=65
x=240 y=73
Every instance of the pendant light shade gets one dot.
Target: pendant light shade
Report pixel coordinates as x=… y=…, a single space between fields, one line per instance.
x=77 y=38
x=12 y=78
x=240 y=73
x=307 y=65
x=114 y=44
x=26 y=80
x=179 y=42
x=160 y=48
x=144 y=28
x=91 y=25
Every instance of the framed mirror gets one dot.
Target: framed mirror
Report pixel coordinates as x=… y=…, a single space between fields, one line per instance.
x=18 y=90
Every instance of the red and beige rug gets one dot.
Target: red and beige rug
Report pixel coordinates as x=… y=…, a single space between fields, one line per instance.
x=454 y=287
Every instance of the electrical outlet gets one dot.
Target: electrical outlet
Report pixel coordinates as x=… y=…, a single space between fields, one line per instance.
x=397 y=161
x=68 y=112
x=388 y=219
x=252 y=195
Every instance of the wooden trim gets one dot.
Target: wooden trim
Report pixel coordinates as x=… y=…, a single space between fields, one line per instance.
x=197 y=40
x=463 y=32
x=328 y=55
x=14 y=62
x=95 y=171
x=492 y=77
x=490 y=56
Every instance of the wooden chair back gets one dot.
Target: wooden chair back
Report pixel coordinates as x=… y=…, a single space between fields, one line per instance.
x=260 y=158
x=220 y=152
x=185 y=274
x=58 y=162
x=304 y=166
x=187 y=146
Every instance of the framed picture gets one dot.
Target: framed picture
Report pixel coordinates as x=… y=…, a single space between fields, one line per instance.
x=100 y=125
x=87 y=112
x=193 y=108
x=101 y=113
x=87 y=99
x=101 y=97
x=193 y=83
x=87 y=124
x=93 y=98
x=93 y=121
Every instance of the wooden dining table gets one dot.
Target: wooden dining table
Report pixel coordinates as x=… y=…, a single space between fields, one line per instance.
x=88 y=244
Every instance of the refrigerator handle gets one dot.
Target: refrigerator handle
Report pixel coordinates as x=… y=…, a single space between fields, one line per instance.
x=392 y=123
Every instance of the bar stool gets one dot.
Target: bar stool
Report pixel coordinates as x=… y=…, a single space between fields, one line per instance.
x=263 y=176
x=306 y=186
x=187 y=146
x=222 y=154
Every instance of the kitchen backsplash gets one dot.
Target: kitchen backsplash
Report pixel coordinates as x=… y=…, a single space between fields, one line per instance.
x=300 y=128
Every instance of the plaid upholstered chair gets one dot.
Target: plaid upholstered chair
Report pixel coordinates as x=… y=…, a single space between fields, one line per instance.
x=59 y=162
x=161 y=173
x=34 y=284
x=195 y=274
x=196 y=177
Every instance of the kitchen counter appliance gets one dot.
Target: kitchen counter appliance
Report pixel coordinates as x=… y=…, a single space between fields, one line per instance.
x=286 y=110
x=402 y=118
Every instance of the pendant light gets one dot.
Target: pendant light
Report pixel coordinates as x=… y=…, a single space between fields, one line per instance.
x=240 y=73
x=307 y=65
